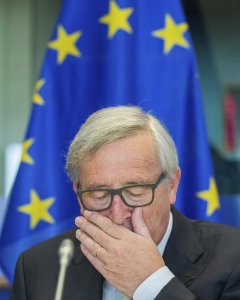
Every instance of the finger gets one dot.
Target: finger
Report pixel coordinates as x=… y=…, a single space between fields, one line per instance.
x=94 y=232
x=114 y=230
x=87 y=241
x=94 y=260
x=93 y=247
x=138 y=223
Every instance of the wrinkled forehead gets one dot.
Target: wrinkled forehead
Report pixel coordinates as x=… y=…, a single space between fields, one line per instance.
x=135 y=154
x=141 y=143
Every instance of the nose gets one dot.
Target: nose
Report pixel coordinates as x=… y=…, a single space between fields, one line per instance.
x=119 y=211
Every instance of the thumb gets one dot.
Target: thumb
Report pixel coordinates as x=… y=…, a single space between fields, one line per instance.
x=138 y=223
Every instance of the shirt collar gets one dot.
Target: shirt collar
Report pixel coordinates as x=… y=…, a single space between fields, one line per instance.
x=162 y=245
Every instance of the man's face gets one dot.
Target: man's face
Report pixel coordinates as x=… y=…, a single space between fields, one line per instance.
x=132 y=160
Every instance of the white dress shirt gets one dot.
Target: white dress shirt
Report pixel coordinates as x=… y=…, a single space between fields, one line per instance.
x=152 y=285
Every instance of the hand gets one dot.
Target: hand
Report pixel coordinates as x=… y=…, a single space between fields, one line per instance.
x=124 y=258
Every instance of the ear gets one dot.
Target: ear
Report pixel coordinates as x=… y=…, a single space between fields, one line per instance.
x=75 y=191
x=75 y=187
x=174 y=185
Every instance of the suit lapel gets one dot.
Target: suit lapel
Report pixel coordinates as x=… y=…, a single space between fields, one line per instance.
x=184 y=250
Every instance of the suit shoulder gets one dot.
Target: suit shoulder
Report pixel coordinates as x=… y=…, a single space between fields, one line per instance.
x=221 y=234
x=222 y=228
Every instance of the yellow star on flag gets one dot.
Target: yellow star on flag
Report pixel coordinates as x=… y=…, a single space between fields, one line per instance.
x=172 y=34
x=65 y=44
x=117 y=19
x=37 y=98
x=25 y=148
x=211 y=197
x=37 y=209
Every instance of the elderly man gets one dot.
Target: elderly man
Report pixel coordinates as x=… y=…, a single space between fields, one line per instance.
x=133 y=242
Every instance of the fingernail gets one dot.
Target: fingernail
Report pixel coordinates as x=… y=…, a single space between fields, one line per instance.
x=82 y=247
x=76 y=220
x=78 y=233
x=79 y=221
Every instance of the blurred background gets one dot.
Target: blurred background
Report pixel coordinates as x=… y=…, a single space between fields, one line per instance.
x=25 y=27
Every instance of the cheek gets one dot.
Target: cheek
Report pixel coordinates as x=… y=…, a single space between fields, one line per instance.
x=81 y=207
x=156 y=217
x=105 y=213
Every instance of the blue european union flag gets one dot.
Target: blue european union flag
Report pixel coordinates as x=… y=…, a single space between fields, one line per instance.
x=105 y=53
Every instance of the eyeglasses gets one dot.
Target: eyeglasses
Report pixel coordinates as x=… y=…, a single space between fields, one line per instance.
x=136 y=195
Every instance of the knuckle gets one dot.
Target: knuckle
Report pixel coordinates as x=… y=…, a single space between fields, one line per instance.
x=111 y=267
x=95 y=235
x=107 y=225
x=115 y=250
x=94 y=249
x=83 y=238
x=83 y=223
x=118 y=249
x=90 y=257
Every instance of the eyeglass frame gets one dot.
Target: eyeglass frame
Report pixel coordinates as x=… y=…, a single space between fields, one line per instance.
x=118 y=192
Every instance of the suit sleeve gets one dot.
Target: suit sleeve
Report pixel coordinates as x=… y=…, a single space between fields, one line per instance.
x=175 y=290
x=18 y=289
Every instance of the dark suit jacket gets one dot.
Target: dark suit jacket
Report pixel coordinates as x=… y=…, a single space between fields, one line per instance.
x=205 y=258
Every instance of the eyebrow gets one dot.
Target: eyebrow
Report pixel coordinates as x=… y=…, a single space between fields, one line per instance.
x=102 y=186
x=96 y=186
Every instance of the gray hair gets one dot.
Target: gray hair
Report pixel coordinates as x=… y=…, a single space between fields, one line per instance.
x=113 y=123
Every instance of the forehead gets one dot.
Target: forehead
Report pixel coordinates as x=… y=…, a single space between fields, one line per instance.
x=124 y=159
